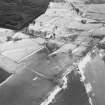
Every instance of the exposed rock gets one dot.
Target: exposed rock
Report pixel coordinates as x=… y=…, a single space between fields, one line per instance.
x=99 y=33
x=83 y=27
x=79 y=51
x=20 y=35
x=4 y=33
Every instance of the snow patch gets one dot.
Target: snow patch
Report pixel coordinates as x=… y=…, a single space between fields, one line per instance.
x=51 y=96
x=82 y=65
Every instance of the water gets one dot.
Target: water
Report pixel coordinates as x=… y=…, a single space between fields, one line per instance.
x=3 y=75
x=74 y=94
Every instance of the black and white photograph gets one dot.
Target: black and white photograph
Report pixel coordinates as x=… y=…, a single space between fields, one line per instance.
x=52 y=52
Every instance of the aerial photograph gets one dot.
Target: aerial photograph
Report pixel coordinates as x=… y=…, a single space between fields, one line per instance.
x=52 y=52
